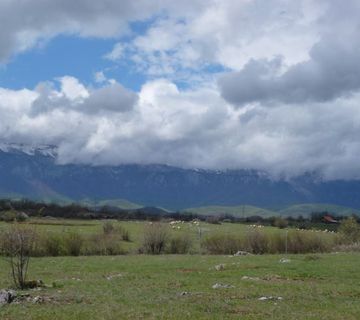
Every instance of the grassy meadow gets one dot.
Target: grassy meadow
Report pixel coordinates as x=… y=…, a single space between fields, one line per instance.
x=180 y=287
x=167 y=286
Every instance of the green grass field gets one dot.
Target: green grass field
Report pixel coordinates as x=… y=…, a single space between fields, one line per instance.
x=236 y=211
x=304 y=209
x=180 y=287
x=133 y=286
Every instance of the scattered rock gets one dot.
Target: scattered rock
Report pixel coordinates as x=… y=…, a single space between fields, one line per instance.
x=270 y=298
x=220 y=267
x=250 y=278
x=33 y=284
x=274 y=277
x=284 y=260
x=76 y=279
x=222 y=286
x=37 y=299
x=7 y=296
x=112 y=276
x=241 y=253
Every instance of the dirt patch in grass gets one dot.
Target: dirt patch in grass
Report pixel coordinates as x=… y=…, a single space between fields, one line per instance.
x=187 y=270
x=43 y=298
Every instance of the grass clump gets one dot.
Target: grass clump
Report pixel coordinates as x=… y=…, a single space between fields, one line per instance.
x=104 y=244
x=53 y=244
x=73 y=243
x=109 y=228
x=257 y=242
x=155 y=238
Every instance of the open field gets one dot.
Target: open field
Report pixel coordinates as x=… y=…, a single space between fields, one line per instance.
x=236 y=211
x=138 y=286
x=197 y=233
x=180 y=287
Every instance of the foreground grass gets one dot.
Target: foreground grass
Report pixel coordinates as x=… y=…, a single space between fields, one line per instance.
x=149 y=287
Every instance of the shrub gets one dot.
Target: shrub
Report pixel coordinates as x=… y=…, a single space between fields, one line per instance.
x=125 y=235
x=223 y=244
x=276 y=243
x=257 y=242
x=73 y=243
x=179 y=244
x=104 y=245
x=280 y=223
x=53 y=244
x=9 y=216
x=109 y=228
x=353 y=247
x=155 y=238
x=350 y=230
x=213 y=220
x=308 y=242
x=17 y=244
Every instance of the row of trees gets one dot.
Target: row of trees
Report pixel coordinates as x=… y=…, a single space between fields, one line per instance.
x=18 y=210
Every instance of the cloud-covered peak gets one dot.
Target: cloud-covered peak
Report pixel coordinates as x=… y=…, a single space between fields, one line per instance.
x=270 y=85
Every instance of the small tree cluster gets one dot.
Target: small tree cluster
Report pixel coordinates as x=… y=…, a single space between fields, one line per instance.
x=350 y=230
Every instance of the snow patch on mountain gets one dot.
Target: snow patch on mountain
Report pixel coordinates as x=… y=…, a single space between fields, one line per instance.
x=31 y=150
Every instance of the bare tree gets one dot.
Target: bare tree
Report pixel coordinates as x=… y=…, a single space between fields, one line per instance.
x=17 y=243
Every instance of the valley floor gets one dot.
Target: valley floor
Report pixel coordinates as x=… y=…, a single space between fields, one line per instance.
x=323 y=286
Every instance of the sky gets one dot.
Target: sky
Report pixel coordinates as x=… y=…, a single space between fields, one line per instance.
x=272 y=85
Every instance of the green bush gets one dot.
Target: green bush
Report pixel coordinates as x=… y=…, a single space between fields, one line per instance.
x=280 y=223
x=260 y=242
x=353 y=247
x=257 y=242
x=223 y=244
x=350 y=230
x=179 y=244
x=309 y=241
x=103 y=244
x=109 y=228
x=155 y=238
x=53 y=244
x=125 y=235
x=73 y=243
x=9 y=216
x=276 y=243
x=213 y=220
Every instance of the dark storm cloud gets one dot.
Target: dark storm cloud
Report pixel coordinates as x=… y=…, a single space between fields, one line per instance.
x=331 y=71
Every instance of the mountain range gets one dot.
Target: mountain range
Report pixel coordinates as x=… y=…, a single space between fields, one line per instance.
x=33 y=172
